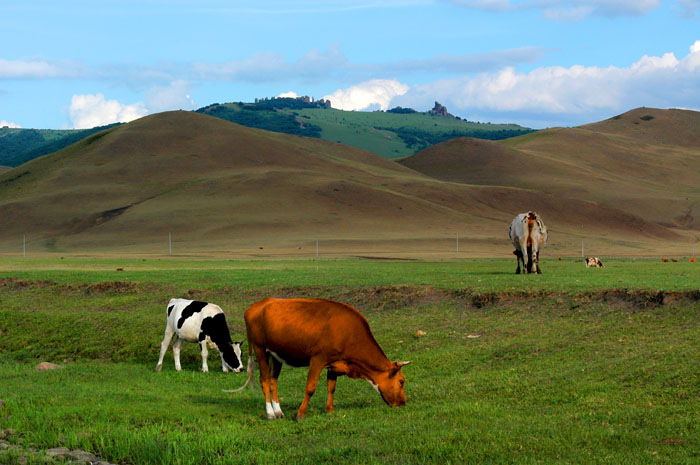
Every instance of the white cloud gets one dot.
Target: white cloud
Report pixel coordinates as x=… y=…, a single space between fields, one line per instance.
x=374 y=93
x=576 y=94
x=88 y=111
x=695 y=48
x=175 y=96
x=35 y=68
x=269 y=66
x=290 y=94
x=689 y=8
x=571 y=10
x=4 y=123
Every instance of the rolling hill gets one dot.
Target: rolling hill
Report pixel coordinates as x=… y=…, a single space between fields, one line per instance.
x=645 y=163
x=222 y=188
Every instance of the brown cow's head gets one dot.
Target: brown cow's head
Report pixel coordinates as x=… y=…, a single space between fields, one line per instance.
x=390 y=385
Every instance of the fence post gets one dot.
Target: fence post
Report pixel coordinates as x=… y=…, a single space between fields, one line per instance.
x=457 y=242
x=170 y=243
x=582 y=255
x=24 y=245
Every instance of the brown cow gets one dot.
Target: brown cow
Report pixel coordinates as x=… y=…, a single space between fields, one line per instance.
x=319 y=334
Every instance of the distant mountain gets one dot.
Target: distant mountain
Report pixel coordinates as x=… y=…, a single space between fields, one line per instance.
x=18 y=145
x=396 y=133
x=224 y=188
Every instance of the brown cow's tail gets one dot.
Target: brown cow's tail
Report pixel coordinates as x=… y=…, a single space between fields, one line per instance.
x=251 y=369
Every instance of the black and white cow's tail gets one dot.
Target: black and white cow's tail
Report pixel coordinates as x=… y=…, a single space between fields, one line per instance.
x=251 y=369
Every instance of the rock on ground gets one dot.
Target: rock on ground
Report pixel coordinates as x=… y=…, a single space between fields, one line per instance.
x=47 y=366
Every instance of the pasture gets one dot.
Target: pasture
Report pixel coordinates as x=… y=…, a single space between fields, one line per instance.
x=572 y=366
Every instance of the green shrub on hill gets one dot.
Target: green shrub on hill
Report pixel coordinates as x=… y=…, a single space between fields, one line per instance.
x=262 y=116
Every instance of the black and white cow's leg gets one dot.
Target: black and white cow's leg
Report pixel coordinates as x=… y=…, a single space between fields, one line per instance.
x=275 y=368
x=537 y=262
x=224 y=366
x=205 y=354
x=164 y=346
x=177 y=345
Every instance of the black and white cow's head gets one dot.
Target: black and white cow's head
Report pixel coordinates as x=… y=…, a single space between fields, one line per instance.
x=215 y=328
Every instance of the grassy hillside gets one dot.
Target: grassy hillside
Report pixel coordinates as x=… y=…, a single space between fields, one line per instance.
x=221 y=188
x=645 y=163
x=18 y=145
x=389 y=134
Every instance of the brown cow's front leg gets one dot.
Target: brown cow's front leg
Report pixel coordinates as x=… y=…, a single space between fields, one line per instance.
x=332 y=377
x=315 y=368
x=276 y=368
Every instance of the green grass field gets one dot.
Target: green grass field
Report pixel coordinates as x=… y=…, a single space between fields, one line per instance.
x=574 y=366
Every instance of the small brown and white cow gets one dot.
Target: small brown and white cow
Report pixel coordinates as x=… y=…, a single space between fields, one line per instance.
x=320 y=334
x=593 y=262
x=204 y=323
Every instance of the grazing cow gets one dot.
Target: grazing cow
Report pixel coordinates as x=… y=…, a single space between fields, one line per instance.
x=528 y=234
x=318 y=334
x=593 y=262
x=202 y=322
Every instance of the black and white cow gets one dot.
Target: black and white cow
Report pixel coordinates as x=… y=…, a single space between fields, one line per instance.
x=202 y=322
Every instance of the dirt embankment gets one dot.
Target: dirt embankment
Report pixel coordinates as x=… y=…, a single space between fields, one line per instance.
x=382 y=298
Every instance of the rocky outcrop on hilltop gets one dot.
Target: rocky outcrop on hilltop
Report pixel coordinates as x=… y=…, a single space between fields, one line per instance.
x=439 y=110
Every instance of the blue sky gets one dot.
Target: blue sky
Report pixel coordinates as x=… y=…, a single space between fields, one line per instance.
x=538 y=63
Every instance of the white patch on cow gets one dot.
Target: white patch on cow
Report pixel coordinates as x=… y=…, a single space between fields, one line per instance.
x=277 y=409
x=269 y=411
x=375 y=386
